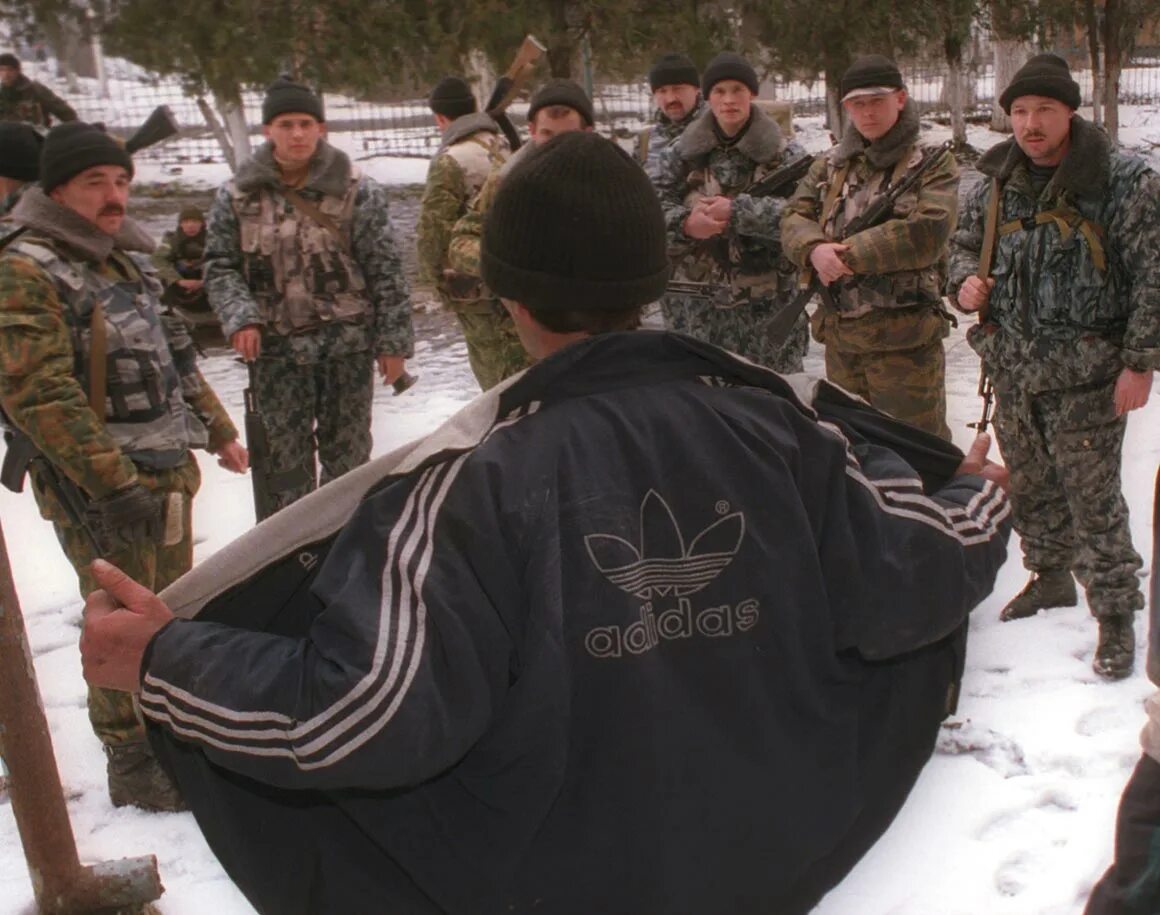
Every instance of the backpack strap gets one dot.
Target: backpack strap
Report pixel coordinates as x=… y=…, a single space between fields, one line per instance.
x=643 y=141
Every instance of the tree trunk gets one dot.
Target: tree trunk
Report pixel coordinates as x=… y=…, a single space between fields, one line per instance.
x=1113 y=64
x=1091 y=25
x=229 y=106
x=219 y=134
x=955 y=97
x=1010 y=55
x=480 y=74
x=835 y=115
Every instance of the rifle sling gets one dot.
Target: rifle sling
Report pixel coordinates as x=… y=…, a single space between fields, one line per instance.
x=98 y=350
x=311 y=210
x=990 y=230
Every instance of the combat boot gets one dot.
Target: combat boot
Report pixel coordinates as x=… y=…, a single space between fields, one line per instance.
x=1116 y=649
x=137 y=779
x=1047 y=589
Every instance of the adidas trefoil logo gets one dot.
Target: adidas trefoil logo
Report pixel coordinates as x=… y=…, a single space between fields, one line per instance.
x=663 y=565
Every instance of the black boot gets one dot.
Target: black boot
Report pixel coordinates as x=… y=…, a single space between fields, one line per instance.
x=1116 y=649
x=1047 y=589
x=136 y=778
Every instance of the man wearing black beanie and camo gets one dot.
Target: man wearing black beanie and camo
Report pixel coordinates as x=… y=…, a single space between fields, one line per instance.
x=676 y=91
x=1070 y=338
x=614 y=639
x=302 y=269
x=105 y=386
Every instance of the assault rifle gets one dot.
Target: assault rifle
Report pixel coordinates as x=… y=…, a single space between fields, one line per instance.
x=778 y=183
x=267 y=484
x=508 y=86
x=880 y=210
x=160 y=125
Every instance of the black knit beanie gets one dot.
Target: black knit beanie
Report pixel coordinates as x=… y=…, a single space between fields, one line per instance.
x=72 y=147
x=191 y=212
x=728 y=65
x=1047 y=75
x=562 y=92
x=8 y=59
x=673 y=70
x=284 y=96
x=452 y=98
x=20 y=146
x=871 y=71
x=576 y=225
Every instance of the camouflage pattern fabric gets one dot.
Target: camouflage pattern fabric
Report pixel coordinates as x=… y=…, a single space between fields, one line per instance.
x=181 y=257
x=494 y=350
x=747 y=256
x=663 y=133
x=112 y=713
x=34 y=103
x=323 y=405
x=8 y=204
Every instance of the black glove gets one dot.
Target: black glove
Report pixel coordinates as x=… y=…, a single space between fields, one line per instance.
x=129 y=516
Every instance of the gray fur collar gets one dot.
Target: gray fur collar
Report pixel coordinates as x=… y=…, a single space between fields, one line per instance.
x=463 y=127
x=762 y=142
x=44 y=216
x=885 y=151
x=329 y=171
x=1083 y=172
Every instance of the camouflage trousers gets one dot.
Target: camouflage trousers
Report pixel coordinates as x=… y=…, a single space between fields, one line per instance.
x=311 y=408
x=494 y=350
x=112 y=713
x=1063 y=449
x=743 y=329
x=893 y=360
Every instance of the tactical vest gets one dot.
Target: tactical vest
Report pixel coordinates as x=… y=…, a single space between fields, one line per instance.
x=145 y=410
x=302 y=274
x=477 y=155
x=846 y=193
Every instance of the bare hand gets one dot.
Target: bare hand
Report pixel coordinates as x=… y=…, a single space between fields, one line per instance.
x=699 y=224
x=119 y=621
x=391 y=367
x=826 y=259
x=190 y=285
x=976 y=463
x=1132 y=390
x=719 y=208
x=247 y=342
x=233 y=457
x=975 y=292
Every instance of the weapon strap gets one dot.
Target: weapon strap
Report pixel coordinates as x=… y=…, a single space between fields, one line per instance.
x=301 y=203
x=98 y=349
x=990 y=231
x=833 y=194
x=642 y=150
x=1068 y=221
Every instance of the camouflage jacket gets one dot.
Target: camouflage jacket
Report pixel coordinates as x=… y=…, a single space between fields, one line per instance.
x=1054 y=312
x=34 y=103
x=315 y=296
x=899 y=262
x=8 y=203
x=699 y=164
x=179 y=256
x=472 y=146
x=157 y=404
x=659 y=136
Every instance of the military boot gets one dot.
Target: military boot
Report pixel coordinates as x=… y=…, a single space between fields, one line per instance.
x=137 y=779
x=1116 y=649
x=1047 y=589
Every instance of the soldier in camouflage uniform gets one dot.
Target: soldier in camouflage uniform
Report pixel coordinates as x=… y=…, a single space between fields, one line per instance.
x=721 y=235
x=883 y=337
x=118 y=427
x=302 y=270
x=19 y=163
x=1070 y=341
x=472 y=147
x=179 y=261
x=559 y=106
x=23 y=99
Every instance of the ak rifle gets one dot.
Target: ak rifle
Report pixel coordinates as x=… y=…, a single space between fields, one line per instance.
x=986 y=261
x=508 y=86
x=880 y=210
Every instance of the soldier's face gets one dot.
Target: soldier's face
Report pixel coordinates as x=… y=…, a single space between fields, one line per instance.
x=555 y=119
x=8 y=75
x=874 y=115
x=1042 y=128
x=295 y=137
x=675 y=101
x=99 y=194
x=191 y=226
x=730 y=101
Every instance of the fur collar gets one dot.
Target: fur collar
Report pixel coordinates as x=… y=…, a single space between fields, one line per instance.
x=763 y=141
x=44 y=216
x=463 y=127
x=885 y=151
x=1084 y=171
x=329 y=171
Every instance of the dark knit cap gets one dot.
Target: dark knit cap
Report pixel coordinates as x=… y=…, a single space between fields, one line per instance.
x=72 y=147
x=284 y=96
x=452 y=98
x=562 y=92
x=728 y=65
x=191 y=212
x=8 y=59
x=20 y=146
x=1047 y=75
x=673 y=70
x=576 y=225
x=868 y=73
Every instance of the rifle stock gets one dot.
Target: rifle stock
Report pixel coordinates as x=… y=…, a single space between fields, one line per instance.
x=159 y=126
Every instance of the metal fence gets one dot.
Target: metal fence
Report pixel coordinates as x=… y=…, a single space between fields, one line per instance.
x=406 y=129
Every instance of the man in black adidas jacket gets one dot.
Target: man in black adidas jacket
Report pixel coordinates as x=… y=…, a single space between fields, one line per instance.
x=636 y=632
